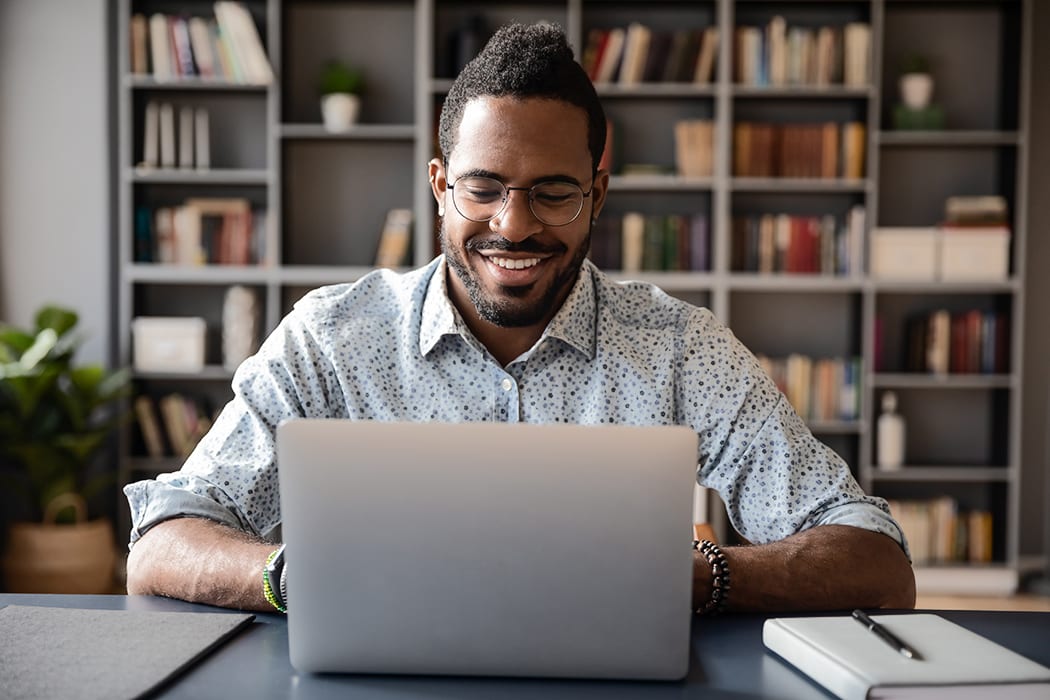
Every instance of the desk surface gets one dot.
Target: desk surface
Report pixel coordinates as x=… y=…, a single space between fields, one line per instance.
x=728 y=661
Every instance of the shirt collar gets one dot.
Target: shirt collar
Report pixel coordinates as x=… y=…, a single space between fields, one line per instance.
x=574 y=324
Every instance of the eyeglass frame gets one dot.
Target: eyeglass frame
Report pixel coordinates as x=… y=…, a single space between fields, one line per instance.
x=451 y=186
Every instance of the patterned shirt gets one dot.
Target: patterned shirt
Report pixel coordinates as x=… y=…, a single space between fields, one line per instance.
x=392 y=347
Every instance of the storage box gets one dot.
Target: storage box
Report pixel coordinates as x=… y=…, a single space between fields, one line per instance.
x=168 y=344
x=907 y=254
x=979 y=254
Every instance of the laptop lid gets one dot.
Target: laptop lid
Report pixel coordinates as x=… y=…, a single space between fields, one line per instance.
x=488 y=549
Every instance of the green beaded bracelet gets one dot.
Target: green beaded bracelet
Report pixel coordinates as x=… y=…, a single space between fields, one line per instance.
x=271 y=595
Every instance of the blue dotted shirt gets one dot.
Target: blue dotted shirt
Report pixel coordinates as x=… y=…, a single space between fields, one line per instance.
x=392 y=347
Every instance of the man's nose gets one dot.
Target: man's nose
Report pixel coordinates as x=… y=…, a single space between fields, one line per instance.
x=517 y=222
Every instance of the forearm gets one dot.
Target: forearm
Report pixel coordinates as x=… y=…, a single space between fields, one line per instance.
x=200 y=561
x=830 y=567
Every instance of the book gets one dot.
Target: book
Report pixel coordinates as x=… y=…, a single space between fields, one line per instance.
x=201 y=139
x=238 y=27
x=847 y=659
x=146 y=416
x=396 y=238
x=186 y=120
x=200 y=42
x=609 y=60
x=151 y=136
x=160 y=47
x=167 y=135
x=139 y=29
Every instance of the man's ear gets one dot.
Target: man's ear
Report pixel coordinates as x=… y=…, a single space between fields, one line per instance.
x=438 y=183
x=598 y=191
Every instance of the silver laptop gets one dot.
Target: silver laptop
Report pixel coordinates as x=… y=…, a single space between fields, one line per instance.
x=488 y=549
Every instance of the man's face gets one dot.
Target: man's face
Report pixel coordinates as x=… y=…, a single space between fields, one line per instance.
x=514 y=270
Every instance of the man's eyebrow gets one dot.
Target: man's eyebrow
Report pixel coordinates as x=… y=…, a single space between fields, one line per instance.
x=481 y=172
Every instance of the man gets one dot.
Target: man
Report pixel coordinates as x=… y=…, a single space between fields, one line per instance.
x=513 y=324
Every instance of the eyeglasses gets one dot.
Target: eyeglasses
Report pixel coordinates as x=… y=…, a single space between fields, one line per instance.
x=482 y=199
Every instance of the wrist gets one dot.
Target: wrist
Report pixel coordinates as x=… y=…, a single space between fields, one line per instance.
x=711 y=580
x=274 y=577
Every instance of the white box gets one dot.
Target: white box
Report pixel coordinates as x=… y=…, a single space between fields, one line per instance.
x=168 y=344
x=907 y=254
x=979 y=254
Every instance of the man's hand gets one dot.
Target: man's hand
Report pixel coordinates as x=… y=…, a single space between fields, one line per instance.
x=830 y=567
x=200 y=561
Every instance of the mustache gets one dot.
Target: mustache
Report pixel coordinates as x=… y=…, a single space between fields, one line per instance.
x=528 y=245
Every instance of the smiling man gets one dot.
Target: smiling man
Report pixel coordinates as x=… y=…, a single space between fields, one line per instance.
x=513 y=324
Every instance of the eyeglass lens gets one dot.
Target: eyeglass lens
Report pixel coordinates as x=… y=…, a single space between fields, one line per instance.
x=483 y=198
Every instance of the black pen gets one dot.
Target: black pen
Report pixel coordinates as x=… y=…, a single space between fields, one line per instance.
x=885 y=635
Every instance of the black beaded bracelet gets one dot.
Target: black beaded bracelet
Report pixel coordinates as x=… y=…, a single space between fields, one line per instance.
x=719 y=577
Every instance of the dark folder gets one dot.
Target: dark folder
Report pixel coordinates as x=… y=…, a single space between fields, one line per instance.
x=105 y=654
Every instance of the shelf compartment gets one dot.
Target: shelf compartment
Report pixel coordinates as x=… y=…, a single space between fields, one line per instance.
x=358 y=33
x=349 y=181
x=643 y=130
x=452 y=22
x=237 y=125
x=915 y=182
x=951 y=427
x=780 y=322
x=976 y=82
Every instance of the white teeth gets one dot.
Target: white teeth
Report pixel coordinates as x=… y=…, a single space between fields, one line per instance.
x=512 y=264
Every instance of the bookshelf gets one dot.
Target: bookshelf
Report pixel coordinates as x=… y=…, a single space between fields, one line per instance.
x=326 y=197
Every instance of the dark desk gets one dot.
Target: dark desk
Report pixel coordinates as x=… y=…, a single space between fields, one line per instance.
x=728 y=661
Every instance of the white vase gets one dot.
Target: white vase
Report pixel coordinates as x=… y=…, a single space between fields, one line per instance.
x=339 y=111
x=916 y=90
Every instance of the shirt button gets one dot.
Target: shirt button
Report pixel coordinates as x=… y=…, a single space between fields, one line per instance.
x=507 y=385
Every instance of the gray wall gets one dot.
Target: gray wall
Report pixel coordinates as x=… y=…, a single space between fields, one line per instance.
x=54 y=163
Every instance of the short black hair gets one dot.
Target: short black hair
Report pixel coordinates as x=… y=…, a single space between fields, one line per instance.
x=524 y=60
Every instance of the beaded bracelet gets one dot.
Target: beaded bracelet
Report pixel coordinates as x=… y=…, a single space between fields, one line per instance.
x=719 y=577
x=272 y=596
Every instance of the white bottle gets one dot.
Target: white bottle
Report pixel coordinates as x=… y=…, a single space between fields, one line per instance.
x=890 y=434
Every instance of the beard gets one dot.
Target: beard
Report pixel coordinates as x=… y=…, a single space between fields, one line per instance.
x=511 y=308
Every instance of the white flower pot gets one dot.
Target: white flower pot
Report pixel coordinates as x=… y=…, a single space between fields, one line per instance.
x=339 y=111
x=916 y=90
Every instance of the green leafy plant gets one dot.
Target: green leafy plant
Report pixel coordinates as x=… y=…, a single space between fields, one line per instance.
x=338 y=77
x=915 y=63
x=55 y=416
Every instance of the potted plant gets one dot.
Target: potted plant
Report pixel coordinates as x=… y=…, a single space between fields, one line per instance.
x=55 y=417
x=340 y=88
x=916 y=83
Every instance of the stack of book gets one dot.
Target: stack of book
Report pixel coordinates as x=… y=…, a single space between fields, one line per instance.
x=201 y=231
x=819 y=390
x=777 y=55
x=226 y=46
x=939 y=532
x=639 y=242
x=784 y=243
x=636 y=54
x=969 y=342
x=827 y=150
x=172 y=425
x=160 y=147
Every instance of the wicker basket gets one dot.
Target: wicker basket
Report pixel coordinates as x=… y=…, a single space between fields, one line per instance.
x=49 y=558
